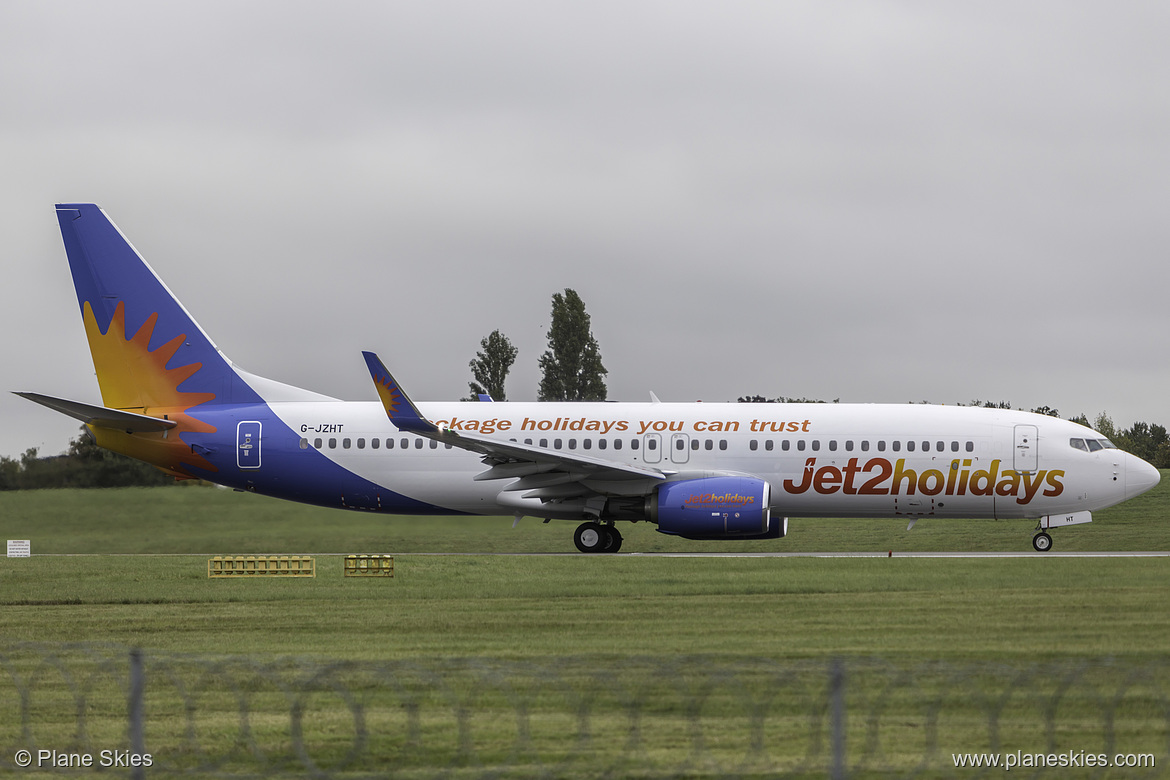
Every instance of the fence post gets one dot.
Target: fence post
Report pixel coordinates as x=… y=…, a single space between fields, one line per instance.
x=837 y=717
x=137 y=694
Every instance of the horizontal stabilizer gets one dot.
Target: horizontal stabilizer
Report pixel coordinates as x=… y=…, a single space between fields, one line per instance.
x=101 y=416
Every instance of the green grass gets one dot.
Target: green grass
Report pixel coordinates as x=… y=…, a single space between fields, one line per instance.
x=522 y=607
x=212 y=521
x=636 y=638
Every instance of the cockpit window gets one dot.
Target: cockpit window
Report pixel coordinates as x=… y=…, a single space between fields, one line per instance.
x=1078 y=444
x=1107 y=444
x=1094 y=445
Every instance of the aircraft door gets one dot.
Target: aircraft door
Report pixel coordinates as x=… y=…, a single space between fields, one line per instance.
x=1025 y=458
x=680 y=448
x=248 y=445
x=651 y=448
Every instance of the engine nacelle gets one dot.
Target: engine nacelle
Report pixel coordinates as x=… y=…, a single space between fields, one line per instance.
x=715 y=508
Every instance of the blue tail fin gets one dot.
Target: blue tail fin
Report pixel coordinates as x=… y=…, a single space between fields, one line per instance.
x=148 y=352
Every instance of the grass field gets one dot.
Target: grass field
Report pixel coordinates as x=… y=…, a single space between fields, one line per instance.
x=588 y=612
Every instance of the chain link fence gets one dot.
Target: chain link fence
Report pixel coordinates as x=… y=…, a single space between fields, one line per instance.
x=141 y=713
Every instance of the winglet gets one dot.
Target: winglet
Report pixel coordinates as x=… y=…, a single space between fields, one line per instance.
x=400 y=409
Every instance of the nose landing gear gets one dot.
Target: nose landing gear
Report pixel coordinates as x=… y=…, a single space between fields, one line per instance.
x=597 y=538
x=1042 y=542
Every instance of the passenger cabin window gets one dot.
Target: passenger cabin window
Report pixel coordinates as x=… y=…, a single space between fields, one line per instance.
x=753 y=445
x=361 y=444
x=317 y=443
x=723 y=444
x=375 y=443
x=896 y=445
x=909 y=446
x=768 y=445
x=333 y=444
x=970 y=446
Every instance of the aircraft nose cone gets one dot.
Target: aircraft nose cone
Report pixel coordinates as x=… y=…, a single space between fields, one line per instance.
x=1139 y=477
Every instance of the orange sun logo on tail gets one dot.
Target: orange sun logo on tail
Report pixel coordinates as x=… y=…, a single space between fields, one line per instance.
x=134 y=378
x=389 y=394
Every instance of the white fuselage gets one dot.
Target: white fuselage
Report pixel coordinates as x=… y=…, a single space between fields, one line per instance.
x=819 y=459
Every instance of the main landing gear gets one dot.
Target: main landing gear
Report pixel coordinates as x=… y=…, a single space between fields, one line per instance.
x=1042 y=542
x=597 y=538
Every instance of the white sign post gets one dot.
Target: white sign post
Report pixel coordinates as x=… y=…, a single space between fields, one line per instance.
x=19 y=548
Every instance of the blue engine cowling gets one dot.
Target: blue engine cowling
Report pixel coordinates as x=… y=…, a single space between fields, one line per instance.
x=716 y=508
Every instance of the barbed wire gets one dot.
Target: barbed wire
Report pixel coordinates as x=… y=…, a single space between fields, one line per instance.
x=611 y=717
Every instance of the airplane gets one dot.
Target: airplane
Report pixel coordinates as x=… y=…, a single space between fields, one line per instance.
x=707 y=471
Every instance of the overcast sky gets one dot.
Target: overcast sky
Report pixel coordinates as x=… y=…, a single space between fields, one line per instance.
x=875 y=201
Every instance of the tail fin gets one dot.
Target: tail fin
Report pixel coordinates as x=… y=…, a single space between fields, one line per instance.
x=148 y=351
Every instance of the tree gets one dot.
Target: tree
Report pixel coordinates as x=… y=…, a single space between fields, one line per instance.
x=1104 y=426
x=85 y=465
x=491 y=365
x=990 y=404
x=571 y=368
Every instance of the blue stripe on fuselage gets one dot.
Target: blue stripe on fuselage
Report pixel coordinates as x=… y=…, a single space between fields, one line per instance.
x=287 y=471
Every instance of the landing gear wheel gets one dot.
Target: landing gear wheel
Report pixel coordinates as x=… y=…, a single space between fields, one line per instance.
x=613 y=539
x=1042 y=542
x=591 y=537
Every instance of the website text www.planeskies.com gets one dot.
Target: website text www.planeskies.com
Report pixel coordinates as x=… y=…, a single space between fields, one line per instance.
x=1066 y=760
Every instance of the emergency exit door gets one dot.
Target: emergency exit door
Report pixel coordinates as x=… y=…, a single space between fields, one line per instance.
x=248 y=445
x=1026 y=458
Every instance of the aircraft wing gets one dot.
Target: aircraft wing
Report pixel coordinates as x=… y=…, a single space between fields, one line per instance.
x=539 y=472
x=101 y=416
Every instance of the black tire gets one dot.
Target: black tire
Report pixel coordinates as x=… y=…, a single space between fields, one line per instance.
x=613 y=539
x=590 y=537
x=1042 y=542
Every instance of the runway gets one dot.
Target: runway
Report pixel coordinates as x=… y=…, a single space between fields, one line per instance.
x=632 y=554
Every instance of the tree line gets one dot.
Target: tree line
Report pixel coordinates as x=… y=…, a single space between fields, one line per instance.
x=84 y=465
